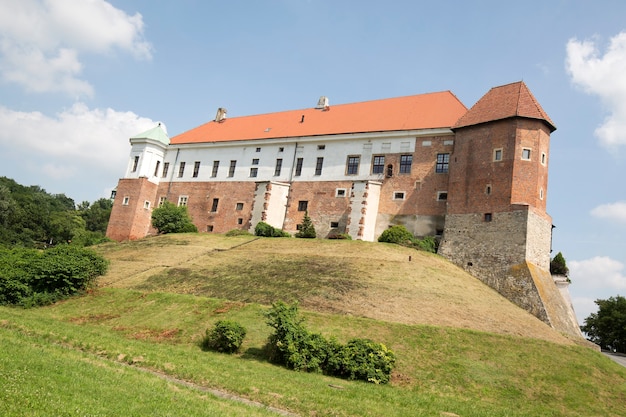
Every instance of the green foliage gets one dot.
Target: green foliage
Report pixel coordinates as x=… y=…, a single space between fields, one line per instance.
x=238 y=232
x=294 y=346
x=96 y=215
x=265 y=230
x=558 y=265
x=307 y=230
x=170 y=218
x=400 y=235
x=226 y=336
x=365 y=360
x=344 y=236
x=30 y=277
x=607 y=327
x=396 y=234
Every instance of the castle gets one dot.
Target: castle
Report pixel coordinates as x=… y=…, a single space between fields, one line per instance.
x=476 y=178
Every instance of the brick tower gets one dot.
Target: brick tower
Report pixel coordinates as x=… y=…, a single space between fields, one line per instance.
x=496 y=223
x=131 y=216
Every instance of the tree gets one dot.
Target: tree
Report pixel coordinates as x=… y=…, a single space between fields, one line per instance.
x=307 y=230
x=558 y=265
x=96 y=215
x=607 y=327
x=170 y=218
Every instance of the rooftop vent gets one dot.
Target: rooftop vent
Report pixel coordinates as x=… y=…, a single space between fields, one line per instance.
x=322 y=103
x=221 y=114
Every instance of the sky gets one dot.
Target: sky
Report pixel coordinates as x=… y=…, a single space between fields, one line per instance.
x=78 y=78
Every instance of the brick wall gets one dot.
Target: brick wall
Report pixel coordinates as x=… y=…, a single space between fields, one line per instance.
x=132 y=220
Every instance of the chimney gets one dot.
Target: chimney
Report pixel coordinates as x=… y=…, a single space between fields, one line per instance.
x=322 y=103
x=221 y=115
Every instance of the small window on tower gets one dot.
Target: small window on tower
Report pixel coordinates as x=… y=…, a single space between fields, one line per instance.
x=442 y=195
x=497 y=155
x=303 y=205
x=239 y=206
x=488 y=190
x=125 y=201
x=340 y=192
x=543 y=158
x=488 y=217
x=526 y=154
x=334 y=225
x=398 y=195
x=135 y=164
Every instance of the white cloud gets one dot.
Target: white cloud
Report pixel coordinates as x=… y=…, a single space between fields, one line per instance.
x=602 y=75
x=613 y=211
x=600 y=272
x=78 y=142
x=40 y=41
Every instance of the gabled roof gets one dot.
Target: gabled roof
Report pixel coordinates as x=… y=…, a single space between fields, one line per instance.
x=424 y=111
x=510 y=100
x=156 y=133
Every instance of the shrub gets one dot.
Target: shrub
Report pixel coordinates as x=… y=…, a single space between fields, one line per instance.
x=558 y=265
x=307 y=230
x=226 y=336
x=427 y=244
x=29 y=277
x=344 y=236
x=293 y=346
x=238 y=232
x=265 y=230
x=365 y=360
x=396 y=234
x=170 y=218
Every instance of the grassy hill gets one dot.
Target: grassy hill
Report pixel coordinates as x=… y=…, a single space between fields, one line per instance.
x=462 y=349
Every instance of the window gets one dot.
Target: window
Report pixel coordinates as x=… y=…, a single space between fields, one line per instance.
x=135 y=164
x=209 y=228
x=340 y=192
x=497 y=155
x=166 y=167
x=334 y=225
x=181 y=169
x=321 y=147
x=443 y=160
x=182 y=200
x=281 y=149
x=258 y=149
x=156 y=168
x=526 y=154
x=113 y=194
x=216 y=167
x=231 y=169
x=254 y=172
x=196 y=169
x=488 y=217
x=146 y=205
x=353 y=165
x=303 y=205
x=279 y=166
x=239 y=206
x=488 y=190
x=255 y=161
x=299 y=163
x=390 y=170
x=240 y=221
x=318 y=166
x=125 y=201
x=398 y=195
x=442 y=195
x=378 y=164
x=216 y=201
x=161 y=201
x=405 y=164
x=543 y=158
x=541 y=193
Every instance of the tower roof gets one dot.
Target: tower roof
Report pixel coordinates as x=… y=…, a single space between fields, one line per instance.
x=156 y=133
x=503 y=102
x=423 y=111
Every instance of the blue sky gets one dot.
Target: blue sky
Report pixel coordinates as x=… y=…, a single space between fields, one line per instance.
x=78 y=78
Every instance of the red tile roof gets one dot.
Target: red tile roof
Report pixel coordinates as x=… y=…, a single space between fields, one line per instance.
x=510 y=100
x=424 y=111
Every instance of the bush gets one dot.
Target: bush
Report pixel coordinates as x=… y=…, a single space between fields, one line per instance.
x=226 y=336
x=307 y=230
x=396 y=234
x=265 y=230
x=170 y=218
x=238 y=232
x=365 y=360
x=558 y=265
x=293 y=346
x=30 y=277
x=428 y=244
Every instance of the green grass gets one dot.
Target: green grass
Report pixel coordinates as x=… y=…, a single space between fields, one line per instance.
x=111 y=351
x=73 y=352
